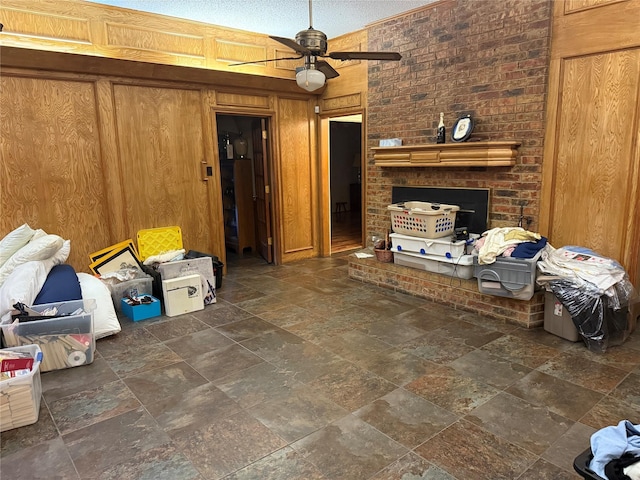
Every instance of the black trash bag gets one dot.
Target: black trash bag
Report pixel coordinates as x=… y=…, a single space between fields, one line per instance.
x=601 y=320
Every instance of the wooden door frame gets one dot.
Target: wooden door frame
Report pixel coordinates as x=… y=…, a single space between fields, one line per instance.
x=253 y=113
x=325 y=180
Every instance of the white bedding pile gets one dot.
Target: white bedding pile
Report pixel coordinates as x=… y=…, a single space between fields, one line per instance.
x=26 y=258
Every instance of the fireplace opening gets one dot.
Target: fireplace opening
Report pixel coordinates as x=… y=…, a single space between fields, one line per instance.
x=473 y=203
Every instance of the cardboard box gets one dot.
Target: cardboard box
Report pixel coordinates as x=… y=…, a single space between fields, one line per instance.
x=202 y=266
x=557 y=319
x=20 y=396
x=182 y=295
x=142 y=311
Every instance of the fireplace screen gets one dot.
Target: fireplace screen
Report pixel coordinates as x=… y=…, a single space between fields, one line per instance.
x=473 y=203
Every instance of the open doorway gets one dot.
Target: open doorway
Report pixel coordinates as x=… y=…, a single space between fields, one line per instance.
x=245 y=185
x=345 y=167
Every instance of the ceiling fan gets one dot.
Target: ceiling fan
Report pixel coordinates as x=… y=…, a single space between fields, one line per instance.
x=311 y=44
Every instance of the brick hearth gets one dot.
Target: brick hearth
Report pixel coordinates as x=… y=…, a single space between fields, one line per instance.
x=453 y=292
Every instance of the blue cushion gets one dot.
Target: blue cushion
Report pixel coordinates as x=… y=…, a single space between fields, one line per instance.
x=61 y=285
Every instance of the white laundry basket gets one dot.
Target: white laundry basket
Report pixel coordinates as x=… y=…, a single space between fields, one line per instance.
x=423 y=219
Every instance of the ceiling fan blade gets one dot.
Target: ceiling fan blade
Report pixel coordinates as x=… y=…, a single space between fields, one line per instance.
x=291 y=44
x=266 y=60
x=327 y=69
x=364 y=55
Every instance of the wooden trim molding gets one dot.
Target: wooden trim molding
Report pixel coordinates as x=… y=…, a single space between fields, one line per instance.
x=467 y=154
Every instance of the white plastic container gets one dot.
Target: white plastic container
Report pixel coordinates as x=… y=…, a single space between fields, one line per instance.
x=461 y=267
x=423 y=219
x=428 y=246
x=20 y=396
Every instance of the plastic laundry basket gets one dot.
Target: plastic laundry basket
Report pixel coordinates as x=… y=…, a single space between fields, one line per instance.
x=423 y=219
x=581 y=465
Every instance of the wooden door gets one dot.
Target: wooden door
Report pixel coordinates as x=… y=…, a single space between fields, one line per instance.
x=296 y=175
x=262 y=189
x=591 y=171
x=51 y=168
x=161 y=150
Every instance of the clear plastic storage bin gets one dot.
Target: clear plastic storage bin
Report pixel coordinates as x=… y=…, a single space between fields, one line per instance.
x=136 y=286
x=66 y=341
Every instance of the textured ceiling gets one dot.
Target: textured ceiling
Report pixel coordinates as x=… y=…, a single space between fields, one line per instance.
x=283 y=18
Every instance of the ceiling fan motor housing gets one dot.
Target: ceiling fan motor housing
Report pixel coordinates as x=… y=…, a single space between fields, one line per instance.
x=313 y=40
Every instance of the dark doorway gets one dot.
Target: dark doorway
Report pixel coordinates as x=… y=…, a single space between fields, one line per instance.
x=245 y=185
x=345 y=163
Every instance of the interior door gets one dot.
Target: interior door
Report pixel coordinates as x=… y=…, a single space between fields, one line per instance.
x=263 y=189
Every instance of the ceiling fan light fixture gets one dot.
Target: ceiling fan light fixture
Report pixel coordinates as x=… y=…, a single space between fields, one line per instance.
x=310 y=79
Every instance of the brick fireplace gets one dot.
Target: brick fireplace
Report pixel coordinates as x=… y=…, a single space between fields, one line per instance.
x=486 y=59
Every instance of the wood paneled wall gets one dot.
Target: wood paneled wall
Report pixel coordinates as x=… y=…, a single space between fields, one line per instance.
x=122 y=143
x=87 y=28
x=51 y=168
x=149 y=88
x=591 y=183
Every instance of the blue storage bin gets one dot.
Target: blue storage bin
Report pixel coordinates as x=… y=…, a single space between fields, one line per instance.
x=142 y=311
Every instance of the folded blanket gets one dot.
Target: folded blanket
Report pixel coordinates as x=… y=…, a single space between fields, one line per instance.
x=529 y=249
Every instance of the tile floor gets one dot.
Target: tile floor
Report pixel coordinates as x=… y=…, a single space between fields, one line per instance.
x=299 y=372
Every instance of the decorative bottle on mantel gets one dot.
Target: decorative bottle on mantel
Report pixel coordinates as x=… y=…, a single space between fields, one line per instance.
x=441 y=130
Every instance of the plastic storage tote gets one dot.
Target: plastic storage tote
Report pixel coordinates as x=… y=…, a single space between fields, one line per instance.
x=423 y=219
x=428 y=246
x=461 y=267
x=557 y=320
x=507 y=277
x=66 y=341
x=20 y=396
x=154 y=241
x=136 y=286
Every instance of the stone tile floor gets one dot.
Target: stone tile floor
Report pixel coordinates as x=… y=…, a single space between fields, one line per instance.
x=299 y=372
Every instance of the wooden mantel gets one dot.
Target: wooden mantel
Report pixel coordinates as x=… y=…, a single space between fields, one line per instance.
x=464 y=154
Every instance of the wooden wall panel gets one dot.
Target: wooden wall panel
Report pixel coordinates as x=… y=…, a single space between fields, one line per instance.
x=160 y=138
x=51 y=171
x=594 y=158
x=348 y=92
x=227 y=51
x=93 y=29
x=229 y=99
x=46 y=25
x=591 y=174
x=594 y=27
x=119 y=35
x=571 y=6
x=296 y=180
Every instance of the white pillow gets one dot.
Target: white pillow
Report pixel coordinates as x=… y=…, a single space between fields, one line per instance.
x=39 y=233
x=23 y=285
x=59 y=257
x=105 y=320
x=14 y=241
x=39 y=249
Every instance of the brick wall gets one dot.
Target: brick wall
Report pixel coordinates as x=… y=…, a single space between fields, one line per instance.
x=485 y=58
